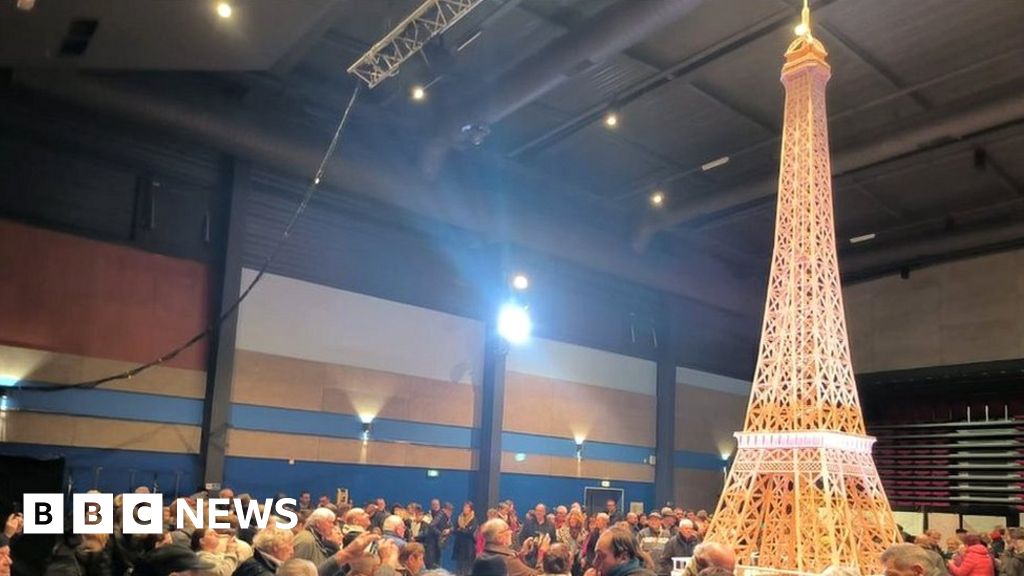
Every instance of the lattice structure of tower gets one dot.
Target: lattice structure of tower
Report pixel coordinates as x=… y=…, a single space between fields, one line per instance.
x=803 y=493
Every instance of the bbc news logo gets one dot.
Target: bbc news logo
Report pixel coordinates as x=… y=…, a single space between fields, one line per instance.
x=94 y=513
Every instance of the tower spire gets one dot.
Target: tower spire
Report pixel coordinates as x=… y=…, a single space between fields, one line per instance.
x=803 y=493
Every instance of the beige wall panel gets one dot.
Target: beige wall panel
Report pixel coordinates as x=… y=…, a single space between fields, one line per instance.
x=42 y=366
x=707 y=419
x=253 y=444
x=698 y=489
x=86 y=432
x=33 y=428
x=570 y=467
x=353 y=390
x=440 y=457
x=596 y=412
x=268 y=380
x=534 y=464
x=125 y=435
x=960 y=312
x=345 y=450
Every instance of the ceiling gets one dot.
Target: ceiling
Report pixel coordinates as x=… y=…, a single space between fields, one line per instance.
x=926 y=104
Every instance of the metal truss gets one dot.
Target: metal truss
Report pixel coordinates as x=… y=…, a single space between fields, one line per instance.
x=431 y=19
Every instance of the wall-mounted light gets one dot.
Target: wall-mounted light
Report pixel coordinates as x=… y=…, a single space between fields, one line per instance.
x=433 y=473
x=520 y=457
x=579 y=450
x=514 y=324
x=367 y=428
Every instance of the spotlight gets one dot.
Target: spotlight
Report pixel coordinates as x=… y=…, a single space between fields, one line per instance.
x=224 y=10
x=520 y=282
x=579 y=450
x=514 y=324
x=366 y=431
x=657 y=198
x=800 y=29
x=611 y=119
x=418 y=92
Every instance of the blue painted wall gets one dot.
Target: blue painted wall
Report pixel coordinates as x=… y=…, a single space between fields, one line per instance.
x=264 y=478
x=526 y=490
x=119 y=470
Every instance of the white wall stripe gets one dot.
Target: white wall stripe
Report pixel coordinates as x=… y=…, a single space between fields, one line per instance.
x=691 y=377
x=289 y=317
x=561 y=361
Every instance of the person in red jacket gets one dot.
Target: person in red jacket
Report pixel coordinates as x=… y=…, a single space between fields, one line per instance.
x=976 y=562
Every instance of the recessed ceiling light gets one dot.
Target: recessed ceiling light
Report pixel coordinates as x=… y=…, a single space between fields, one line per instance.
x=418 y=92
x=224 y=10
x=611 y=120
x=657 y=198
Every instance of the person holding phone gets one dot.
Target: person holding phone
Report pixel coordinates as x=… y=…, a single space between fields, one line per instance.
x=205 y=543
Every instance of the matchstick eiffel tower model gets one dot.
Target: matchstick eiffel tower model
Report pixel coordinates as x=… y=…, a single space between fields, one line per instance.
x=803 y=493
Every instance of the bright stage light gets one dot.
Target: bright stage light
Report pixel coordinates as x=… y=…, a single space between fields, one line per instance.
x=418 y=93
x=224 y=10
x=514 y=324
x=520 y=282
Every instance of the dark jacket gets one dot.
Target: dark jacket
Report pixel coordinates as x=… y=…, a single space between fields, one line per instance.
x=532 y=529
x=464 y=549
x=255 y=566
x=430 y=537
x=675 y=548
x=631 y=568
x=512 y=562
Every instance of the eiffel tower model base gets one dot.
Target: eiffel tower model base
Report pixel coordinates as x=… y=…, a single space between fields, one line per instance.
x=805 y=501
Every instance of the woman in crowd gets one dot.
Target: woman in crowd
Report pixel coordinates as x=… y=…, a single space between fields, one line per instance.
x=977 y=561
x=205 y=543
x=464 y=548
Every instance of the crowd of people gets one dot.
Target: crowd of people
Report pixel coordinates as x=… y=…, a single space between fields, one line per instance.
x=375 y=539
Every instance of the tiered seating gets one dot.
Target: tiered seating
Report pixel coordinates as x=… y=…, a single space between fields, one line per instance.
x=952 y=463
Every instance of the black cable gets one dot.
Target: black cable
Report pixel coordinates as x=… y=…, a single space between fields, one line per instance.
x=310 y=190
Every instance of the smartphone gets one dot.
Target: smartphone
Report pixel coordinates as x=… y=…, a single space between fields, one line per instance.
x=374 y=548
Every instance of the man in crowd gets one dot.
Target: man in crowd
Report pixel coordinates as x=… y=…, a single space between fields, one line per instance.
x=305 y=501
x=357 y=521
x=611 y=508
x=600 y=524
x=380 y=513
x=668 y=520
x=411 y=559
x=421 y=531
x=634 y=521
x=682 y=545
x=617 y=555
x=711 y=555
x=312 y=543
x=653 y=538
x=561 y=513
x=394 y=530
x=498 y=542
x=910 y=560
x=539 y=529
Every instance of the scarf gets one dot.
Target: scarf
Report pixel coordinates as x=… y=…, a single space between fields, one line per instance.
x=465 y=521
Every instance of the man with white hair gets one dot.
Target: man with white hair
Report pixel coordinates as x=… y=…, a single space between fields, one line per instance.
x=271 y=547
x=713 y=555
x=498 y=542
x=311 y=543
x=394 y=530
x=357 y=521
x=911 y=560
x=682 y=545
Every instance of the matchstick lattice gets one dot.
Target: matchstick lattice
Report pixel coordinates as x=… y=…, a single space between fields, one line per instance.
x=803 y=493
